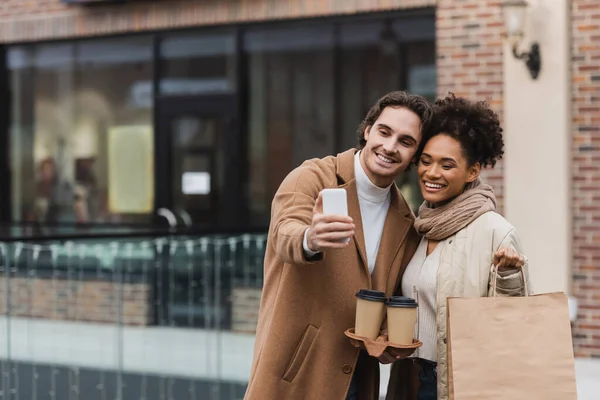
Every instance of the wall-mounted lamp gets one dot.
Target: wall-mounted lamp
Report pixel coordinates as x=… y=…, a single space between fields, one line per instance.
x=514 y=21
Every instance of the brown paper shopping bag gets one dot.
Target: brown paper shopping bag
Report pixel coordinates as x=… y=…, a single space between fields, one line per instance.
x=510 y=348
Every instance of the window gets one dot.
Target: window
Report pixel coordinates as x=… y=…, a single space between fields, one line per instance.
x=311 y=85
x=72 y=103
x=291 y=114
x=83 y=114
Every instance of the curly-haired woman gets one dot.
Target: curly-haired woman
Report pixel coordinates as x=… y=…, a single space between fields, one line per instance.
x=462 y=236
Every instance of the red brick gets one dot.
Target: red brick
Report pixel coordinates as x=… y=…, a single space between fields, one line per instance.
x=586 y=6
x=590 y=27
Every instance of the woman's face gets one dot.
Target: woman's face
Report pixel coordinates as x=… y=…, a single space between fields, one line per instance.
x=443 y=170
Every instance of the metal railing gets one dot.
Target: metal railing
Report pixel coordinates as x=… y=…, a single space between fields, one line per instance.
x=135 y=316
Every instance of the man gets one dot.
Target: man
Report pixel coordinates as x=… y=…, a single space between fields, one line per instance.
x=312 y=271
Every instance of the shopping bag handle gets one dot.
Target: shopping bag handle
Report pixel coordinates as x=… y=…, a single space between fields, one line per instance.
x=495 y=281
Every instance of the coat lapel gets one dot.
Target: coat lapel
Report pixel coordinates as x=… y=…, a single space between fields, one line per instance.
x=359 y=236
x=397 y=224
x=347 y=180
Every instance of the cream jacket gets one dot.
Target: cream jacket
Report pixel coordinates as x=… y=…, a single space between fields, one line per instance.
x=465 y=271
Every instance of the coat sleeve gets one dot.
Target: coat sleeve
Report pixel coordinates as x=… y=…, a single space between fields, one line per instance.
x=291 y=212
x=511 y=282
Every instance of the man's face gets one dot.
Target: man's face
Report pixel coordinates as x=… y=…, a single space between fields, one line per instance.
x=392 y=142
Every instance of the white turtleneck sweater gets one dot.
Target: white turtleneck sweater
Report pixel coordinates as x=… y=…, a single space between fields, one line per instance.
x=374 y=203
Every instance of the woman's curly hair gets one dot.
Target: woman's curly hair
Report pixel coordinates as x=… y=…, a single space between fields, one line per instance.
x=474 y=124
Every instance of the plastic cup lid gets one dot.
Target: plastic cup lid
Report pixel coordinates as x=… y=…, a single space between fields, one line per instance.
x=401 y=301
x=372 y=295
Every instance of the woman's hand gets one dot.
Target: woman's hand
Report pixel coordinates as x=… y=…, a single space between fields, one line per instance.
x=508 y=258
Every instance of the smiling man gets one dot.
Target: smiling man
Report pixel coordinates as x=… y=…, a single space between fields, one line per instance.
x=312 y=272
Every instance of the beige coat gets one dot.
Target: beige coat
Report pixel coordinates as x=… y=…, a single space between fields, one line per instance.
x=465 y=271
x=301 y=352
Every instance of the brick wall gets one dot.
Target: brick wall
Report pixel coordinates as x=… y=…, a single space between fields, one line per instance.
x=586 y=173
x=50 y=19
x=469 y=59
x=91 y=301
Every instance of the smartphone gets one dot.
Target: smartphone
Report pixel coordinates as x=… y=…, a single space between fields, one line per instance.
x=335 y=202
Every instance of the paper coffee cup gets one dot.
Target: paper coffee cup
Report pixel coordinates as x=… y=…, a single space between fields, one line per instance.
x=401 y=319
x=370 y=311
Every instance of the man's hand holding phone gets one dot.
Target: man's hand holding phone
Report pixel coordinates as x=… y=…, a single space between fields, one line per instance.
x=331 y=227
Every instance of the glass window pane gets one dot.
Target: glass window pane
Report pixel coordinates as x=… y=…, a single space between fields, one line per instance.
x=78 y=97
x=370 y=55
x=199 y=64
x=291 y=106
x=421 y=79
x=422 y=73
x=20 y=64
x=378 y=57
x=42 y=80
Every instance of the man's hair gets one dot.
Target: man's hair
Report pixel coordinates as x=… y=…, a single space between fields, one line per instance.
x=398 y=99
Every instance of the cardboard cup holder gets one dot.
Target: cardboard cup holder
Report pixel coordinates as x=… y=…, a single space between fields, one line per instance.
x=377 y=347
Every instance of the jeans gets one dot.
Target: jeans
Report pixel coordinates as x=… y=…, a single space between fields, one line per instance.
x=427 y=381
x=352 y=390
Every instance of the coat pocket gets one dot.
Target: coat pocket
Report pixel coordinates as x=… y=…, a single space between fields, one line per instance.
x=300 y=353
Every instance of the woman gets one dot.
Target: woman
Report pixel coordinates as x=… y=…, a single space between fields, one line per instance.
x=462 y=236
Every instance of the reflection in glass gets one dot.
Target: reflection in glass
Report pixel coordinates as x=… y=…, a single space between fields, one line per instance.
x=67 y=98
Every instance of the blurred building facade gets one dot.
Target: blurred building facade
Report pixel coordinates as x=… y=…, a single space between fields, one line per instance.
x=200 y=108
